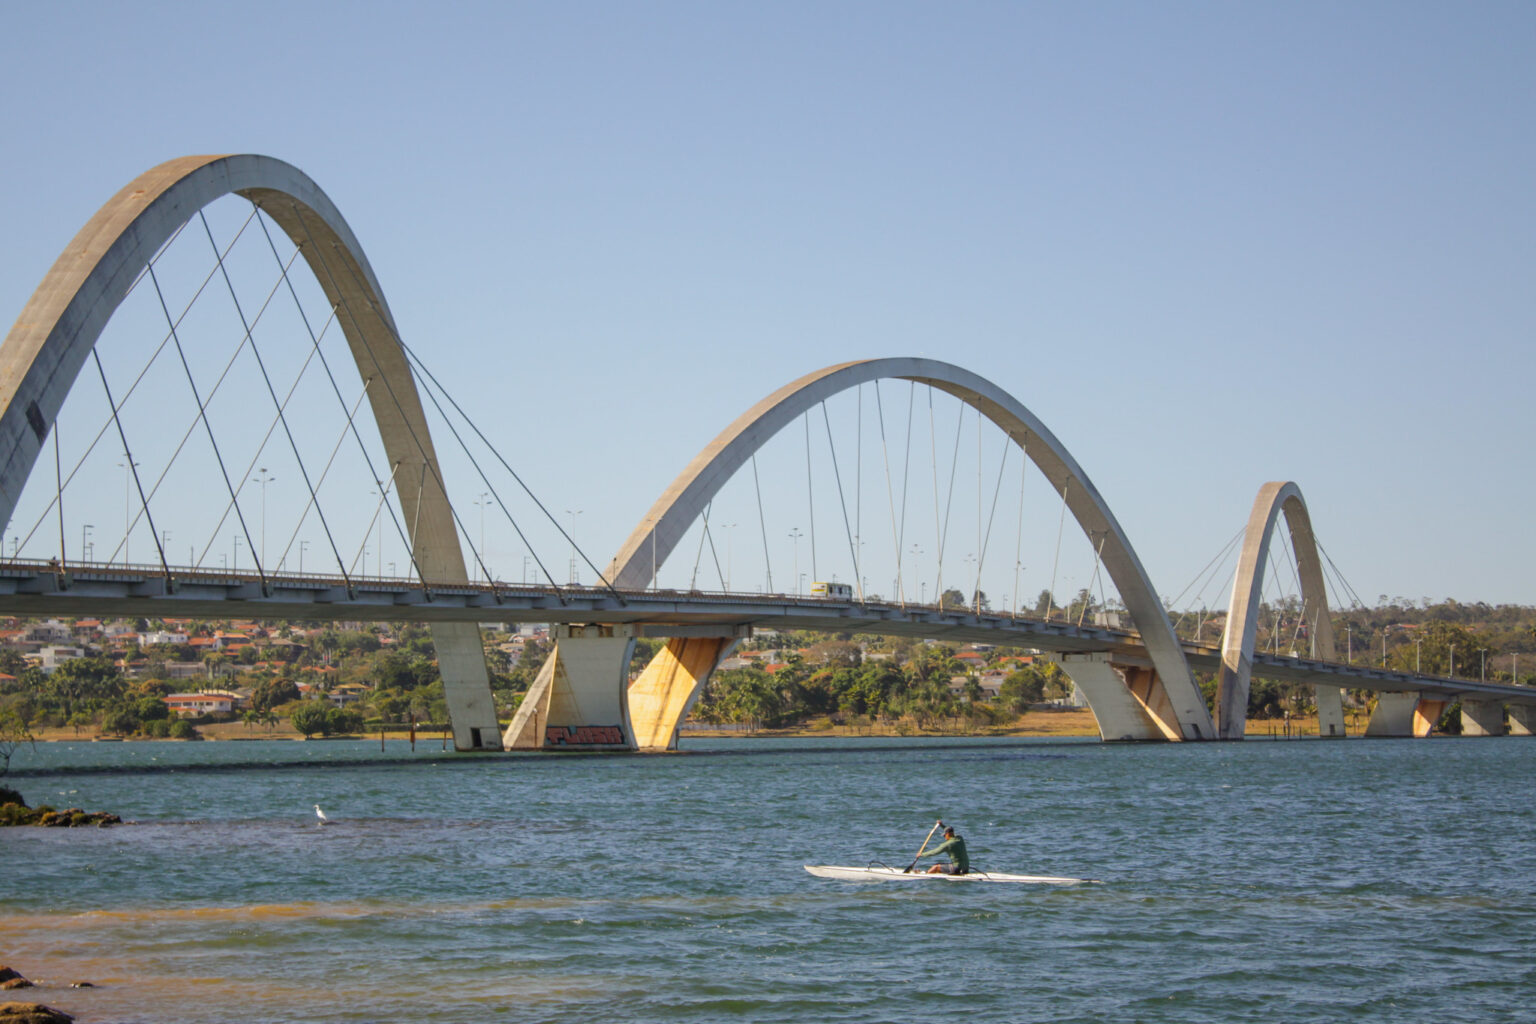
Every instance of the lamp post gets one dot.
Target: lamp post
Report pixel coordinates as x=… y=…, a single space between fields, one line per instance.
x=573 y=513
x=482 y=503
x=236 y=559
x=1418 y=652
x=1384 y=631
x=727 y=527
x=84 y=530
x=1453 y=661
x=127 y=465
x=264 y=479
x=165 y=542
x=1482 y=674
x=795 y=536
x=1349 y=645
x=302 y=545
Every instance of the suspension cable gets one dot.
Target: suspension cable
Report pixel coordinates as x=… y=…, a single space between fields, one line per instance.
x=326 y=472
x=133 y=468
x=842 y=502
x=293 y=443
x=762 y=522
x=1097 y=554
x=154 y=356
x=986 y=540
x=202 y=414
x=858 y=493
x=332 y=316
x=1056 y=563
x=1018 y=541
x=693 y=581
x=421 y=449
x=810 y=493
x=890 y=496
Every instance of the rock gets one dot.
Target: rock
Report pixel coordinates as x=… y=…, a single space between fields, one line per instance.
x=6 y=973
x=16 y=982
x=82 y=984
x=32 y=1013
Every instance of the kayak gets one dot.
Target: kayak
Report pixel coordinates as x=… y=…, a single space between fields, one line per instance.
x=889 y=874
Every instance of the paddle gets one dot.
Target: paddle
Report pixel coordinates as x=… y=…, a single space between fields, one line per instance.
x=936 y=826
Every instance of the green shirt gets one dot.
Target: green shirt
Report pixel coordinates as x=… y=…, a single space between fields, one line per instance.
x=955 y=848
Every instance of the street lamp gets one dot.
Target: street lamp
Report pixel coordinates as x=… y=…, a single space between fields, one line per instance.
x=1483 y=670
x=84 y=531
x=264 y=479
x=727 y=527
x=482 y=503
x=302 y=545
x=1349 y=645
x=1418 y=651
x=237 y=553
x=795 y=536
x=573 y=513
x=1453 y=661
x=1384 y=631
x=127 y=466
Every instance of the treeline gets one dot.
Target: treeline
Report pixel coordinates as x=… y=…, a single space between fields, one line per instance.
x=858 y=680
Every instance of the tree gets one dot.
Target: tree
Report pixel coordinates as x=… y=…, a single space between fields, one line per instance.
x=13 y=733
x=270 y=693
x=120 y=721
x=342 y=720
x=311 y=717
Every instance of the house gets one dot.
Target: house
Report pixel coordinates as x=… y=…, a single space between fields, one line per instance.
x=347 y=693
x=50 y=658
x=162 y=636
x=50 y=632
x=191 y=705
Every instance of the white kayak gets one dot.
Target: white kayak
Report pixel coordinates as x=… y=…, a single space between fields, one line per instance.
x=889 y=874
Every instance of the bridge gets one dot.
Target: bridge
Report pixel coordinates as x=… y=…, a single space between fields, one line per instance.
x=1139 y=682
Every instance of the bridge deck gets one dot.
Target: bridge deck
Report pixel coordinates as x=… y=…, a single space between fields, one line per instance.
x=33 y=589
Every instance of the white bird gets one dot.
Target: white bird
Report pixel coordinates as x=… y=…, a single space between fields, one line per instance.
x=321 y=815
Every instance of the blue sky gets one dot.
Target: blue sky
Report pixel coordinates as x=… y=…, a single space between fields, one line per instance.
x=1210 y=245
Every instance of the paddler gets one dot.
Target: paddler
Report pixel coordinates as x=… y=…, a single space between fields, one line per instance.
x=954 y=846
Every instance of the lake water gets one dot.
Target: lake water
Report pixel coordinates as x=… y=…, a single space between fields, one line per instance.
x=1263 y=881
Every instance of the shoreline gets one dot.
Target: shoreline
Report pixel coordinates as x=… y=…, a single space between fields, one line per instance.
x=1053 y=722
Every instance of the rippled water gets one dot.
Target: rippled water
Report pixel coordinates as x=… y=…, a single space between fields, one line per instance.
x=1263 y=881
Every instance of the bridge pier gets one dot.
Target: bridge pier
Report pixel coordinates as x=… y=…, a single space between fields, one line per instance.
x=1394 y=715
x=578 y=701
x=1330 y=712
x=660 y=697
x=1482 y=718
x=1126 y=708
x=1522 y=720
x=466 y=686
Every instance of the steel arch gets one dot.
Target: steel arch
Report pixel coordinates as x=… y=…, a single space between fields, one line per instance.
x=1238 y=637
x=61 y=322
x=669 y=518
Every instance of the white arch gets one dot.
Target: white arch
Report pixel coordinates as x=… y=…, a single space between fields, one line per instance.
x=672 y=514
x=51 y=340
x=1237 y=639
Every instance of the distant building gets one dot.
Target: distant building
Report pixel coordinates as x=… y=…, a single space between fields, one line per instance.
x=192 y=705
x=50 y=658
